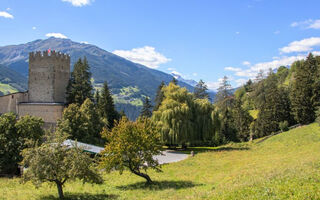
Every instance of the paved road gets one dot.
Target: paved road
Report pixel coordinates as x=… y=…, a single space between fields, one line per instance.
x=170 y=157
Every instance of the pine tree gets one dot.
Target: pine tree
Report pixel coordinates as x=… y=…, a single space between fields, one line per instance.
x=106 y=106
x=159 y=96
x=79 y=87
x=174 y=81
x=242 y=121
x=97 y=97
x=224 y=97
x=200 y=90
x=146 y=108
x=305 y=90
x=275 y=109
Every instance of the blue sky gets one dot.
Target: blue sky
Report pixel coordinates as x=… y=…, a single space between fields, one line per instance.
x=200 y=39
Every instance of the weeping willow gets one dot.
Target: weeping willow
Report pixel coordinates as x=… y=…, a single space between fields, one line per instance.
x=182 y=119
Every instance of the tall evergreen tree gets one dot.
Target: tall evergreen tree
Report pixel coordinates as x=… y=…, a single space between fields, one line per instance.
x=79 y=87
x=275 y=109
x=159 y=96
x=200 y=90
x=106 y=106
x=224 y=101
x=174 y=81
x=242 y=121
x=305 y=90
x=146 y=110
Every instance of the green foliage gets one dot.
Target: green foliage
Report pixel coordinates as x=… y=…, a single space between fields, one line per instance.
x=183 y=120
x=242 y=121
x=131 y=145
x=146 y=110
x=159 y=97
x=305 y=90
x=106 y=106
x=200 y=90
x=82 y=123
x=13 y=134
x=79 y=87
x=54 y=162
x=285 y=166
x=284 y=126
x=275 y=107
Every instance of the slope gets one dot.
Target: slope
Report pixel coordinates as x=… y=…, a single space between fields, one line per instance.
x=285 y=166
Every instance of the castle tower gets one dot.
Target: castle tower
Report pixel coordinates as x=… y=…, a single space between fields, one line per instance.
x=49 y=74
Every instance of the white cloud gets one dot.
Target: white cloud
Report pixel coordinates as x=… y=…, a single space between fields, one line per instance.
x=246 y=63
x=237 y=32
x=6 y=15
x=8 y=9
x=84 y=42
x=194 y=74
x=213 y=85
x=233 y=69
x=307 y=24
x=171 y=69
x=315 y=24
x=79 y=3
x=34 y=28
x=301 y=45
x=240 y=82
x=145 y=55
x=56 y=35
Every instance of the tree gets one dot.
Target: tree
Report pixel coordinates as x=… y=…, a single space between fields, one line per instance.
x=242 y=121
x=183 y=120
x=159 y=97
x=131 y=145
x=275 y=109
x=224 y=101
x=174 y=81
x=13 y=134
x=200 y=91
x=146 y=108
x=81 y=123
x=106 y=106
x=224 y=97
x=305 y=90
x=55 y=162
x=79 y=87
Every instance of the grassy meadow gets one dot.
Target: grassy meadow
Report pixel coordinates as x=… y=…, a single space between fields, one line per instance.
x=285 y=166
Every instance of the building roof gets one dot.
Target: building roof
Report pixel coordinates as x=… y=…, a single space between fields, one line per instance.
x=86 y=147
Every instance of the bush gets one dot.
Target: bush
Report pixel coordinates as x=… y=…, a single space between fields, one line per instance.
x=284 y=126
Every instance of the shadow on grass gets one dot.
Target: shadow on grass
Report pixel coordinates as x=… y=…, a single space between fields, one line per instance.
x=159 y=185
x=82 y=196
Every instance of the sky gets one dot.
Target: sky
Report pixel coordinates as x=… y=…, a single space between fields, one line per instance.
x=198 y=39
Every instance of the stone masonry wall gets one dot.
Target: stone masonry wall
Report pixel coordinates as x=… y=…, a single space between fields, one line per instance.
x=48 y=76
x=50 y=113
x=8 y=103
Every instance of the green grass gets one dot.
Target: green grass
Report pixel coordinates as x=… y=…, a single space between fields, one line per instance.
x=285 y=166
x=7 y=89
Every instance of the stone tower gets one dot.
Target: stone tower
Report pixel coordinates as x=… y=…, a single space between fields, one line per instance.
x=49 y=74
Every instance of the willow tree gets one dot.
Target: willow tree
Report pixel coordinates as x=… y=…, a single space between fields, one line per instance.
x=182 y=119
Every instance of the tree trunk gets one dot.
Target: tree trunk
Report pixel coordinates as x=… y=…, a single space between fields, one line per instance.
x=60 y=191
x=146 y=176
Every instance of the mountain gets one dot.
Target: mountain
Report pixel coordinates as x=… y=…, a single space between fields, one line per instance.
x=130 y=82
x=11 y=81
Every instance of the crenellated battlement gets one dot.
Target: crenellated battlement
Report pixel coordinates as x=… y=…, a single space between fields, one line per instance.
x=38 y=55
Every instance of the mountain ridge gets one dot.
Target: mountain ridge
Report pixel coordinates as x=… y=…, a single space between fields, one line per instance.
x=121 y=74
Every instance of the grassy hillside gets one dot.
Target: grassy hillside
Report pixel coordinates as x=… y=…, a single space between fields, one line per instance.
x=11 y=81
x=285 y=166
